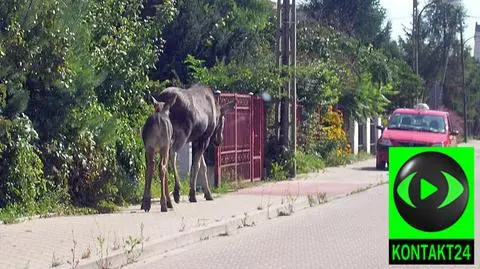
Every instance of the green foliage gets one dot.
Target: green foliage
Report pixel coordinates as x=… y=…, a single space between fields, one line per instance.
x=408 y=87
x=362 y=19
x=307 y=163
x=278 y=172
x=318 y=84
x=79 y=70
x=21 y=175
x=236 y=76
x=215 y=30
x=367 y=99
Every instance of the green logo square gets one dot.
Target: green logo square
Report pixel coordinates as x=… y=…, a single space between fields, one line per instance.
x=431 y=205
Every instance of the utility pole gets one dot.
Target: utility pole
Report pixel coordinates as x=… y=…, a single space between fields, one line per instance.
x=284 y=116
x=294 y=86
x=415 y=35
x=286 y=59
x=278 y=49
x=465 y=125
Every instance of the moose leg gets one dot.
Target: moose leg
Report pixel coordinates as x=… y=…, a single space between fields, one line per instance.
x=163 y=179
x=167 y=191
x=146 y=201
x=206 y=189
x=176 y=188
x=197 y=154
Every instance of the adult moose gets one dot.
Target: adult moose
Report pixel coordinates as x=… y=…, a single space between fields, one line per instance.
x=196 y=117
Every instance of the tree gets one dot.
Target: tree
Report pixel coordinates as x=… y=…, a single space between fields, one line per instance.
x=363 y=19
x=214 y=30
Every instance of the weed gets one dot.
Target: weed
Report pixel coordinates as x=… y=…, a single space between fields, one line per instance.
x=116 y=243
x=321 y=197
x=281 y=212
x=224 y=187
x=105 y=206
x=307 y=163
x=311 y=200
x=55 y=261
x=278 y=172
x=244 y=221
x=289 y=207
x=182 y=225
x=86 y=253
x=74 y=262
x=130 y=244
x=102 y=250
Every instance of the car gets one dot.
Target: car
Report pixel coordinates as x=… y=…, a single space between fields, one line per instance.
x=414 y=127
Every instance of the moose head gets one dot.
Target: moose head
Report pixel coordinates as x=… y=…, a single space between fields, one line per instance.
x=163 y=106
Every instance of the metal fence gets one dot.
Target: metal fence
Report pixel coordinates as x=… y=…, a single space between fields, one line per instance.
x=473 y=128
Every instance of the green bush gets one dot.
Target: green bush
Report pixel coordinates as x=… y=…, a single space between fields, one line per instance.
x=278 y=171
x=307 y=163
x=21 y=175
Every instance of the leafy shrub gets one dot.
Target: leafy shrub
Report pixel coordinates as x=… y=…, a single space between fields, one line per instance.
x=307 y=163
x=21 y=175
x=326 y=138
x=277 y=171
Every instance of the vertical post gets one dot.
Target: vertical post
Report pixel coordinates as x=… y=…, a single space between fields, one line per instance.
x=278 y=33
x=355 y=137
x=465 y=127
x=294 y=86
x=414 y=35
x=218 y=160
x=235 y=98
x=284 y=132
x=366 y=136
x=278 y=48
x=378 y=133
x=252 y=136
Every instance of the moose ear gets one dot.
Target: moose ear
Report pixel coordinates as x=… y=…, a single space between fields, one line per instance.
x=155 y=102
x=170 y=103
x=227 y=107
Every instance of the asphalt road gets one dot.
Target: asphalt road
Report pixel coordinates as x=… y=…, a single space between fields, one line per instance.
x=351 y=232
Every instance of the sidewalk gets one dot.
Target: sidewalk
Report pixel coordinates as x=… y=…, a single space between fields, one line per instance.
x=41 y=243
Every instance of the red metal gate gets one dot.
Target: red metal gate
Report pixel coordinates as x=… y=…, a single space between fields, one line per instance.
x=241 y=155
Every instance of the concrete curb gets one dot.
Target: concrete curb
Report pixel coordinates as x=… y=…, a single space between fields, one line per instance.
x=118 y=259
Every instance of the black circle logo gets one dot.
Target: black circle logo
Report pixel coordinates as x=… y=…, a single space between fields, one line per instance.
x=431 y=191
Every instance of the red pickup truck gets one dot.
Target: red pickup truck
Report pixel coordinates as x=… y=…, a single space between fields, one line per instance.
x=417 y=127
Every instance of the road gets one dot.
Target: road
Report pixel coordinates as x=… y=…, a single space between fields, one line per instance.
x=350 y=232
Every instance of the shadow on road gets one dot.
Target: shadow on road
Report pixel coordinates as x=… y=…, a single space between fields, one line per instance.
x=368 y=168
